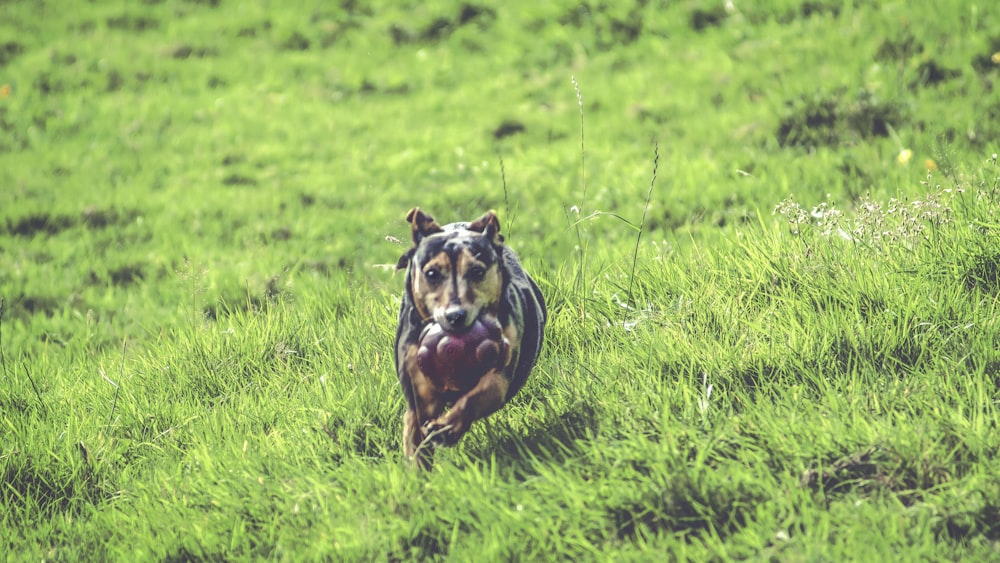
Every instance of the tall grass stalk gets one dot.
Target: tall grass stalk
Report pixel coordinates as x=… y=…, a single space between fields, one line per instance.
x=118 y=384
x=642 y=222
x=506 y=198
x=581 y=280
x=3 y=358
x=34 y=386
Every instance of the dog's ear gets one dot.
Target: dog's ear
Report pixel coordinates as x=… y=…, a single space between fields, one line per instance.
x=404 y=260
x=489 y=225
x=423 y=225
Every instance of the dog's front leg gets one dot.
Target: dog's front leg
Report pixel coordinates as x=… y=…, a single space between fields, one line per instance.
x=482 y=400
x=411 y=433
x=414 y=447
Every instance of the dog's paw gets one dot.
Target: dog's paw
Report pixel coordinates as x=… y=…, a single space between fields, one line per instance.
x=440 y=433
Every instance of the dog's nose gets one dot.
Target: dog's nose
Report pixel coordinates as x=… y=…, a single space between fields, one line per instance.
x=456 y=317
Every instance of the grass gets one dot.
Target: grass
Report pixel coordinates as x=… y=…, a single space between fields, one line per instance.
x=771 y=271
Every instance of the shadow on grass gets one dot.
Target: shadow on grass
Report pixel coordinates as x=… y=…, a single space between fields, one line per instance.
x=556 y=438
x=982 y=273
x=689 y=505
x=42 y=485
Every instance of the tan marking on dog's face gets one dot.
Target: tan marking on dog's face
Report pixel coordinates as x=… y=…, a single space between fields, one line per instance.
x=430 y=285
x=451 y=281
x=479 y=283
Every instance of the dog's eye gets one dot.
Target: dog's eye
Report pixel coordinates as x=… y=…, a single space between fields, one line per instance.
x=433 y=275
x=476 y=274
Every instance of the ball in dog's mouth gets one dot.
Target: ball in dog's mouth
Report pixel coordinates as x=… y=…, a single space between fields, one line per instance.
x=455 y=361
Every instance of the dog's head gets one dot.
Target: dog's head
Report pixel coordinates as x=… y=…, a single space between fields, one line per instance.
x=454 y=270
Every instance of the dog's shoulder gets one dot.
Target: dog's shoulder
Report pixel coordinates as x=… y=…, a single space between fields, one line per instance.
x=524 y=284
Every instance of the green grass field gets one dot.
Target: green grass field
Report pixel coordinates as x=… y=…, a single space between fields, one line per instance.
x=795 y=357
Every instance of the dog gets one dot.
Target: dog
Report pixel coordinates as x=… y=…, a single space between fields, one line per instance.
x=454 y=274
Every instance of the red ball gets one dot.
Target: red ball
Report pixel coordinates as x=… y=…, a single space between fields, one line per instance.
x=456 y=360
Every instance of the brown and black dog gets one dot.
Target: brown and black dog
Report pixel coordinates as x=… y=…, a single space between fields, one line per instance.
x=454 y=274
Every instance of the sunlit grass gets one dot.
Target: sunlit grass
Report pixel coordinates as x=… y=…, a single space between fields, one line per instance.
x=770 y=263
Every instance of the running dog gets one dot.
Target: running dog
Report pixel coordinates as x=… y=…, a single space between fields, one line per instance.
x=460 y=277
